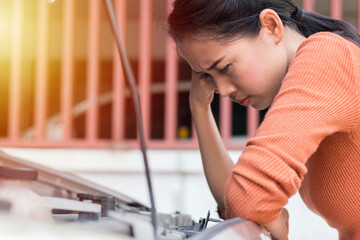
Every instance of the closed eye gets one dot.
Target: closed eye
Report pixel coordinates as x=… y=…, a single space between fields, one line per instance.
x=225 y=69
x=205 y=76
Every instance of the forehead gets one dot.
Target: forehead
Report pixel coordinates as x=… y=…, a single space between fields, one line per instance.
x=202 y=53
x=187 y=45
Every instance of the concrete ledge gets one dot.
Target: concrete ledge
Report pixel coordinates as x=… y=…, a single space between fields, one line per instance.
x=128 y=161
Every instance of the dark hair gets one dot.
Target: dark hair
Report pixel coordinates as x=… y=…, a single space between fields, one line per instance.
x=225 y=19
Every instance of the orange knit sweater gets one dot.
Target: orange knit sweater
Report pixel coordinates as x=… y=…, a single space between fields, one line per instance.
x=310 y=137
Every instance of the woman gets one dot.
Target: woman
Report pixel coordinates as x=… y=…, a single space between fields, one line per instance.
x=306 y=68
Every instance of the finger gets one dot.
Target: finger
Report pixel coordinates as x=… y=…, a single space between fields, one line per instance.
x=195 y=76
x=265 y=232
x=206 y=84
x=285 y=214
x=273 y=238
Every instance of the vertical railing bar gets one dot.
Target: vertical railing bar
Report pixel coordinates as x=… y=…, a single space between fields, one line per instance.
x=15 y=74
x=225 y=119
x=41 y=71
x=336 y=9
x=171 y=78
x=252 y=121
x=145 y=62
x=118 y=107
x=67 y=69
x=309 y=5
x=93 y=71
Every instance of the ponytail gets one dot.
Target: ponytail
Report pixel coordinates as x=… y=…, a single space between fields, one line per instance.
x=311 y=23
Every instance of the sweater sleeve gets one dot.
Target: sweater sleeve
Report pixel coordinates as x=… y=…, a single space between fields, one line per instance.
x=318 y=97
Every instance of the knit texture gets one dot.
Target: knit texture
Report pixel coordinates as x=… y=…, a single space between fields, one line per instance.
x=310 y=137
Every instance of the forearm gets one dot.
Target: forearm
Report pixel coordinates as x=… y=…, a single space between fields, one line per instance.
x=216 y=161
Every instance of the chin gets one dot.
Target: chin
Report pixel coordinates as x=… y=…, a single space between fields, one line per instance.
x=260 y=106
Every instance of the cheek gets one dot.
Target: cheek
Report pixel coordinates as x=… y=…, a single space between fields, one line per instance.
x=250 y=78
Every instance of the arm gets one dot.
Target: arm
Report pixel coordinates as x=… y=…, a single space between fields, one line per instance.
x=318 y=97
x=218 y=166
x=216 y=161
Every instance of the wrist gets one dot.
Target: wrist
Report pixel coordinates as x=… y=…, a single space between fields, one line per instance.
x=196 y=106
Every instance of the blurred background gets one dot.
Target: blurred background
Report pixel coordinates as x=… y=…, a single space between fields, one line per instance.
x=65 y=102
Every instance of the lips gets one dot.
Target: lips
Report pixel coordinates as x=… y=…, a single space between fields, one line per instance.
x=244 y=101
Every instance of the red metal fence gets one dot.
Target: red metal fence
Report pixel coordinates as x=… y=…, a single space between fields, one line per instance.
x=62 y=88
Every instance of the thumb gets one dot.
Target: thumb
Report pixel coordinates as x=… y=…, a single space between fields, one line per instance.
x=285 y=214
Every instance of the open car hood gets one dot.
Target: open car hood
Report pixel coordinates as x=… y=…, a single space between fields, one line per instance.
x=55 y=183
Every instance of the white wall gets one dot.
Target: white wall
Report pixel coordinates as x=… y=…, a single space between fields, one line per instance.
x=178 y=182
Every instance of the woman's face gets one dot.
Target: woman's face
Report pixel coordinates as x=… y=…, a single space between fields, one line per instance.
x=248 y=70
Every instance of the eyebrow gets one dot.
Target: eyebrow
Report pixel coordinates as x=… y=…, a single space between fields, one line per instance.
x=215 y=63
x=212 y=66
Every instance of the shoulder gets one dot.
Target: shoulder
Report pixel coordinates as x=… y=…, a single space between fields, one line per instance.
x=328 y=39
x=326 y=44
x=327 y=63
x=328 y=54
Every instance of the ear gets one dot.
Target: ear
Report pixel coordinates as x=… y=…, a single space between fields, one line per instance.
x=272 y=25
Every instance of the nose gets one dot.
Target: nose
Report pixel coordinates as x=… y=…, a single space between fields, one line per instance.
x=225 y=89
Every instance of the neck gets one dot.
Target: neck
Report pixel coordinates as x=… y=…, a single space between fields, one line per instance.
x=293 y=40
